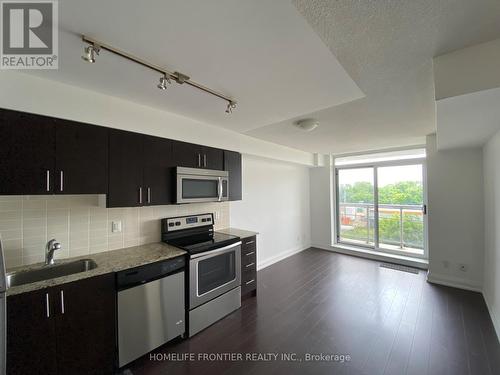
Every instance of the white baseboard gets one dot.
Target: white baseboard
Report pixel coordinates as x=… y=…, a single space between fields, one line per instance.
x=370 y=254
x=495 y=318
x=284 y=254
x=454 y=282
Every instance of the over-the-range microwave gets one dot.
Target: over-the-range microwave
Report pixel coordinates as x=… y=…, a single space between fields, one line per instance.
x=201 y=185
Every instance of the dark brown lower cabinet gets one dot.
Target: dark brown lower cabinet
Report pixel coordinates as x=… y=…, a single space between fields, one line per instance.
x=67 y=329
x=85 y=326
x=31 y=344
x=249 y=266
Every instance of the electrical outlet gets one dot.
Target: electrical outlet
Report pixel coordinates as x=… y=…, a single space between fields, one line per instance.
x=462 y=267
x=217 y=215
x=116 y=226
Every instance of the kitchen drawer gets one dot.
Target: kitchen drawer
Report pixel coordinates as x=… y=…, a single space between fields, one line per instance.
x=248 y=269
x=249 y=265
x=250 y=284
x=248 y=273
x=248 y=244
x=248 y=257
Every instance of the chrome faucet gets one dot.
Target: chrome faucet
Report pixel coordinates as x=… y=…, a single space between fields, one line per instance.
x=52 y=246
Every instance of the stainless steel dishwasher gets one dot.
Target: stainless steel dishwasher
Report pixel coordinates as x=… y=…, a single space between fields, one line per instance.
x=151 y=307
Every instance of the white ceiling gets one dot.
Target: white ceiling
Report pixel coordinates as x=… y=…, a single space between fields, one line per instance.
x=261 y=53
x=468 y=120
x=280 y=62
x=387 y=47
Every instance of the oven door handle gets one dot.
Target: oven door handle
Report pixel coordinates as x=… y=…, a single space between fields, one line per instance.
x=219 y=251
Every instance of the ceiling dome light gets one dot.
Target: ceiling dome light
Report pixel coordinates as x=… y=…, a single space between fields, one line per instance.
x=307 y=124
x=89 y=53
x=163 y=82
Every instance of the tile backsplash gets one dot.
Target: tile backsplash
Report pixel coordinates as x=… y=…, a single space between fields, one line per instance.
x=82 y=226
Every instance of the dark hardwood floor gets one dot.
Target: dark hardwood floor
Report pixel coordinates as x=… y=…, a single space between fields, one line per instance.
x=387 y=321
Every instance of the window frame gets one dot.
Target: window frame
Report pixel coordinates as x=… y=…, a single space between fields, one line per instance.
x=375 y=165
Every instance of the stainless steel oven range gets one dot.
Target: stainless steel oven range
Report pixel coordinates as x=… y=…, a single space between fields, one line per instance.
x=214 y=281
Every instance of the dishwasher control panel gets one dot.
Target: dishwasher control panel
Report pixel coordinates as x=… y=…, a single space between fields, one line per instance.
x=148 y=272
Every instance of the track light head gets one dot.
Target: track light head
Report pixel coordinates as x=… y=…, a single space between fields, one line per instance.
x=230 y=107
x=89 y=53
x=163 y=82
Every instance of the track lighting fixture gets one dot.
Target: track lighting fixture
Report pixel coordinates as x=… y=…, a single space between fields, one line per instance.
x=94 y=47
x=89 y=53
x=163 y=82
x=230 y=106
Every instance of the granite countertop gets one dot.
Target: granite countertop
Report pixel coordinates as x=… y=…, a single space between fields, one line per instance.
x=107 y=262
x=238 y=232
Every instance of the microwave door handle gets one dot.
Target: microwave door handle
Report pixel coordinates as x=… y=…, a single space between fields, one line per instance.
x=220 y=189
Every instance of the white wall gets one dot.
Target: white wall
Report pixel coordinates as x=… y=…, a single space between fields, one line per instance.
x=467 y=70
x=29 y=93
x=456 y=215
x=491 y=286
x=275 y=204
x=321 y=207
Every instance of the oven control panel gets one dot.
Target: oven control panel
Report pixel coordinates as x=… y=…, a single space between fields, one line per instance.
x=184 y=222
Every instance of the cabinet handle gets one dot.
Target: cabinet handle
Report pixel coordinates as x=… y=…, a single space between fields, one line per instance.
x=249 y=282
x=62 y=301
x=250 y=265
x=199 y=160
x=249 y=242
x=61 y=176
x=205 y=160
x=250 y=253
x=48 y=180
x=140 y=195
x=47 y=304
x=149 y=195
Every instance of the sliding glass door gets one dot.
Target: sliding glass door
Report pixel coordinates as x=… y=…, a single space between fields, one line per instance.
x=400 y=208
x=382 y=207
x=356 y=197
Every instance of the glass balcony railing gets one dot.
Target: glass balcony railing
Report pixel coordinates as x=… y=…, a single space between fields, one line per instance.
x=401 y=227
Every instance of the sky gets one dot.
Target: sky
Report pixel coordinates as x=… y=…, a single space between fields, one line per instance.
x=386 y=175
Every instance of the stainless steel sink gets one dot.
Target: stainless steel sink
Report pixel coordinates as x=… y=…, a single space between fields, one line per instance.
x=49 y=272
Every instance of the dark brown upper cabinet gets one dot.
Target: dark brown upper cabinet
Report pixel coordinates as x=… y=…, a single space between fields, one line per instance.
x=125 y=169
x=42 y=155
x=141 y=170
x=27 y=153
x=81 y=158
x=196 y=156
x=68 y=329
x=232 y=164
x=187 y=154
x=213 y=158
x=159 y=168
